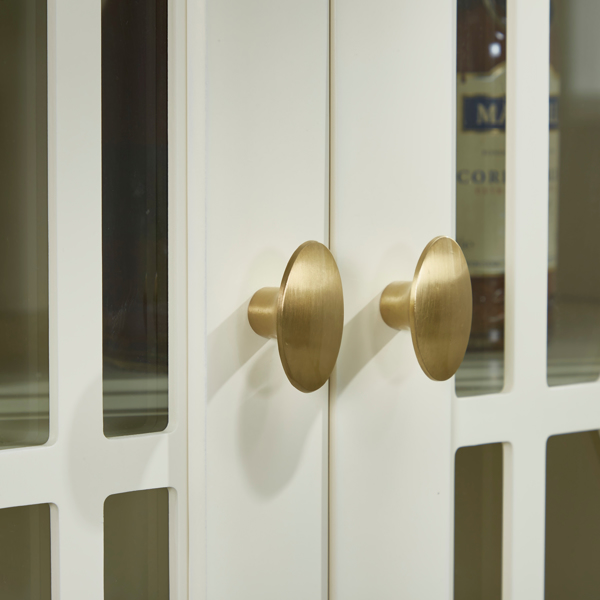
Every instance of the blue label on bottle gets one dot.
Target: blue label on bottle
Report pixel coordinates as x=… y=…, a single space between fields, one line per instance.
x=486 y=113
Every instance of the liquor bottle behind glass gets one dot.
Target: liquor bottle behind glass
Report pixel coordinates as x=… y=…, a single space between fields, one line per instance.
x=481 y=163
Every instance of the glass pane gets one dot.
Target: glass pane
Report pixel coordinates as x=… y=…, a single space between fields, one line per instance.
x=478 y=523
x=134 y=215
x=480 y=185
x=25 y=553
x=24 y=400
x=136 y=546
x=574 y=306
x=573 y=516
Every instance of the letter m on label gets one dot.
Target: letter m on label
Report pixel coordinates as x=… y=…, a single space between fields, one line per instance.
x=484 y=113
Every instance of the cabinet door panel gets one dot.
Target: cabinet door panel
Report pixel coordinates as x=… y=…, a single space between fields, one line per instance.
x=393 y=177
x=267 y=192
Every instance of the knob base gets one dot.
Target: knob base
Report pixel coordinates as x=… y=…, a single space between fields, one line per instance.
x=394 y=304
x=262 y=312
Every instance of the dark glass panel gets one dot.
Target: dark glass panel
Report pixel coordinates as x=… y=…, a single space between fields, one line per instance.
x=574 y=202
x=135 y=215
x=24 y=364
x=25 y=553
x=478 y=523
x=136 y=546
x=573 y=516
x=481 y=185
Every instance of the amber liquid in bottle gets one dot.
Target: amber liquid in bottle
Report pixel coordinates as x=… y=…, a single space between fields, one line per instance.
x=481 y=164
x=481 y=59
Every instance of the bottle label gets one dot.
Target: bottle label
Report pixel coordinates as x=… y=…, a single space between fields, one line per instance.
x=481 y=169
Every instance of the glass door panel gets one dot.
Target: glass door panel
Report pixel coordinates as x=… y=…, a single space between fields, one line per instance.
x=136 y=546
x=574 y=309
x=25 y=553
x=481 y=184
x=134 y=216
x=573 y=516
x=478 y=523
x=24 y=371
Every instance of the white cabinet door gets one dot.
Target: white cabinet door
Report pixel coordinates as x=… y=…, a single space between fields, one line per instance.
x=392 y=173
x=58 y=154
x=266 y=193
x=394 y=432
x=209 y=124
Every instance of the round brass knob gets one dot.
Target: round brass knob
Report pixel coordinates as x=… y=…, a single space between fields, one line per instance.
x=305 y=314
x=436 y=306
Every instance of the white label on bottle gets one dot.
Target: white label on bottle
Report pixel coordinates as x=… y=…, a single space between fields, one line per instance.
x=481 y=169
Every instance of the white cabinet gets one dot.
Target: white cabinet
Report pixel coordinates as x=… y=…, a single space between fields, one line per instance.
x=326 y=120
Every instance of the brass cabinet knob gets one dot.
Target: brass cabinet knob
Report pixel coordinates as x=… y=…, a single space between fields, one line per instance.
x=436 y=306
x=305 y=314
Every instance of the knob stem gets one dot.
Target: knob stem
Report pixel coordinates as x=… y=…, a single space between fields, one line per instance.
x=262 y=312
x=395 y=304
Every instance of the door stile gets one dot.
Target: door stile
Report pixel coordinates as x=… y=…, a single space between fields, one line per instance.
x=177 y=432
x=527 y=193
x=523 y=518
x=196 y=288
x=393 y=176
x=329 y=549
x=78 y=402
x=527 y=168
x=266 y=193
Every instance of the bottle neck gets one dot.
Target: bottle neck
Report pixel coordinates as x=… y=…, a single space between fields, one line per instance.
x=497 y=10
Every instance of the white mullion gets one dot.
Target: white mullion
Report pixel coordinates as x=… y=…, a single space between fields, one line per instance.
x=79 y=219
x=134 y=463
x=78 y=271
x=80 y=550
x=175 y=450
x=524 y=518
x=505 y=417
x=177 y=482
x=527 y=137
x=30 y=476
x=572 y=408
x=527 y=144
x=498 y=418
x=52 y=224
x=484 y=419
x=108 y=466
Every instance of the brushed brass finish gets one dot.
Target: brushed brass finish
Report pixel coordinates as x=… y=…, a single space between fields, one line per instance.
x=262 y=312
x=305 y=314
x=437 y=307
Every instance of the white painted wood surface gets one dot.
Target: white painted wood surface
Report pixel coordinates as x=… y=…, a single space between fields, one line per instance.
x=266 y=193
x=196 y=289
x=393 y=180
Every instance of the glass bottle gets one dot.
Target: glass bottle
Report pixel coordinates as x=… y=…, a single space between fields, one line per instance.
x=481 y=164
x=481 y=161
